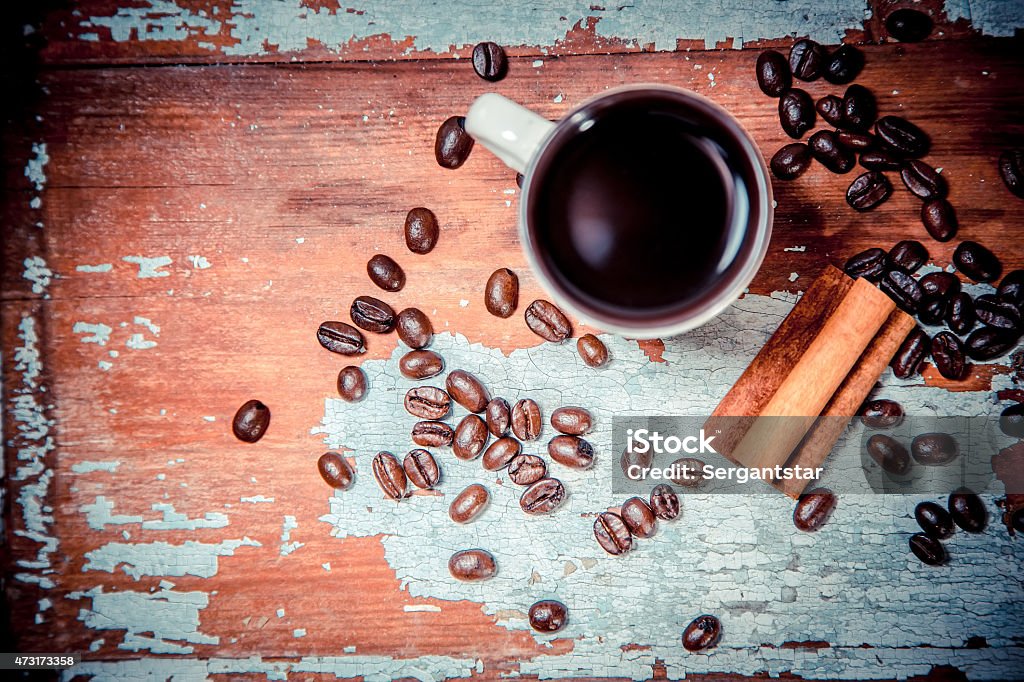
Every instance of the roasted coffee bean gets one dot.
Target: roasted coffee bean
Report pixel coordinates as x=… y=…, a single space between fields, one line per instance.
x=543 y=497
x=472 y=564
x=773 y=74
x=427 y=402
x=832 y=155
x=390 y=475
x=385 y=273
x=977 y=262
x=813 y=509
x=1011 y=421
x=501 y=295
x=960 y=315
x=453 y=144
x=1017 y=520
x=421 y=364
x=612 y=534
x=868 y=191
x=633 y=462
x=1011 y=289
x=688 y=472
x=988 y=343
x=499 y=417
x=908 y=25
x=967 y=510
x=574 y=421
x=929 y=550
x=858 y=142
x=335 y=470
x=499 y=453
x=519 y=180
x=909 y=254
x=665 y=502
x=372 y=314
x=526 y=469
x=889 y=454
x=421 y=230
x=432 y=434
x=996 y=313
x=342 y=338
x=934 y=520
x=526 y=420
x=1011 y=169
x=859 y=108
x=791 y=161
x=940 y=284
x=869 y=264
x=948 y=355
x=914 y=349
x=466 y=390
x=703 y=633
x=470 y=437
x=932 y=310
x=468 y=504
x=489 y=61
x=807 y=59
x=934 y=449
x=548 y=615
x=881 y=414
x=843 y=65
x=547 y=321
x=351 y=384
x=898 y=285
x=421 y=469
x=796 y=112
x=902 y=136
x=571 y=451
x=939 y=218
x=639 y=518
x=830 y=107
x=592 y=351
x=414 y=328
x=251 y=421
x=880 y=160
x=923 y=181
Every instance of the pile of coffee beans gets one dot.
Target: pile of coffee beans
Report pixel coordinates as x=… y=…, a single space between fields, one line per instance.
x=965 y=509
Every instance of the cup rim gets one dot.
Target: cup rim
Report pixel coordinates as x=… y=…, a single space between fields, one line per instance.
x=723 y=299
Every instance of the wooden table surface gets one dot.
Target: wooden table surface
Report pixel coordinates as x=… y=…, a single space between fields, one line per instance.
x=192 y=187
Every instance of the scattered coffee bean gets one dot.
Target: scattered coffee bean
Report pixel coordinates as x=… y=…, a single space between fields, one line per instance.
x=977 y=262
x=468 y=504
x=940 y=284
x=571 y=451
x=342 y=338
x=813 y=509
x=914 y=349
x=335 y=470
x=880 y=160
x=967 y=510
x=526 y=469
x=909 y=254
x=372 y=314
x=703 y=633
x=421 y=230
x=543 y=497
x=988 y=343
x=351 y=384
x=881 y=414
x=948 y=355
x=385 y=273
x=501 y=296
x=832 y=155
x=519 y=180
x=466 y=390
x=612 y=534
x=858 y=142
x=548 y=615
x=470 y=437
x=665 y=502
x=631 y=458
x=432 y=434
x=932 y=310
x=472 y=564
x=929 y=550
x=414 y=328
x=547 y=321
x=868 y=190
x=869 y=264
x=427 y=402
x=908 y=25
x=420 y=364
x=1011 y=421
x=889 y=454
x=592 y=350
x=997 y=313
x=960 y=315
x=1017 y=520
x=453 y=144
x=902 y=136
x=791 y=161
x=934 y=520
x=639 y=518
x=923 y=181
x=830 y=107
x=421 y=469
x=251 y=421
x=796 y=112
x=859 y=108
x=807 y=59
x=1011 y=289
x=844 y=65
x=526 y=420
x=489 y=61
x=934 y=449
x=499 y=417
x=499 y=453
x=1011 y=169
x=574 y=421
x=898 y=285
x=390 y=475
x=773 y=74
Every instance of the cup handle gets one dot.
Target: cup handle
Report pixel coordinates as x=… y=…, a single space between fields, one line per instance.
x=512 y=132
